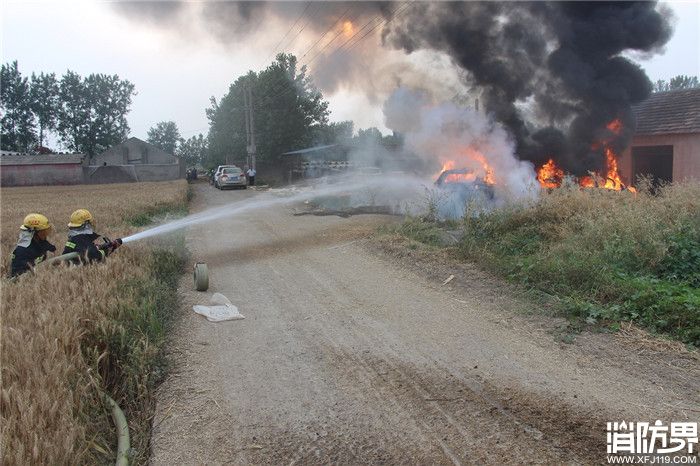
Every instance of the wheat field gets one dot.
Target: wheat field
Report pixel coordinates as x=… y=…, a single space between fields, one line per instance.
x=49 y=405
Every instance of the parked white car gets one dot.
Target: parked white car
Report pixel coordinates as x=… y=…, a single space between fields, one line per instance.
x=218 y=171
x=232 y=177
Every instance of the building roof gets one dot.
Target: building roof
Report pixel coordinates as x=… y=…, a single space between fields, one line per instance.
x=141 y=142
x=14 y=158
x=672 y=112
x=131 y=143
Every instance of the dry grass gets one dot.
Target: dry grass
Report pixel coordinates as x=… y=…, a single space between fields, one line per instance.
x=50 y=408
x=610 y=257
x=615 y=256
x=111 y=204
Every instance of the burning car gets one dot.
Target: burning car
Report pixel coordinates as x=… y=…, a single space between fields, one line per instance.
x=460 y=187
x=464 y=180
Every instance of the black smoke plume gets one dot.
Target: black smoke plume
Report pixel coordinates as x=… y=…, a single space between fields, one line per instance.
x=552 y=72
x=562 y=60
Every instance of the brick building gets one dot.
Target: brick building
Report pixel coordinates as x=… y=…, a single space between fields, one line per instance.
x=31 y=170
x=666 y=144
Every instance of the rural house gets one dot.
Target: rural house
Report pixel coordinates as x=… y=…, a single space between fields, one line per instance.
x=18 y=169
x=666 y=144
x=134 y=160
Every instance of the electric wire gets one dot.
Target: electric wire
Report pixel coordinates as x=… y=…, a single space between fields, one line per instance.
x=276 y=47
x=277 y=90
x=274 y=92
x=395 y=14
x=311 y=19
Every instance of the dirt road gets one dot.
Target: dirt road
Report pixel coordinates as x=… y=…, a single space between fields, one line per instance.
x=351 y=356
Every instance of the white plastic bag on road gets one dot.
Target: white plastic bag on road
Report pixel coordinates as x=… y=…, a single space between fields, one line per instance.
x=221 y=310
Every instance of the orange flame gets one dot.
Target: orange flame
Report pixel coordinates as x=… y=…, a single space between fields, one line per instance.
x=348 y=28
x=615 y=126
x=474 y=156
x=587 y=182
x=488 y=171
x=549 y=175
x=456 y=177
x=612 y=180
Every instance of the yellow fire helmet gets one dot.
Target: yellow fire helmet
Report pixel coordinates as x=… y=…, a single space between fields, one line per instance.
x=35 y=222
x=79 y=217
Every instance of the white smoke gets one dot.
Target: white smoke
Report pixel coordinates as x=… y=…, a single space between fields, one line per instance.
x=458 y=137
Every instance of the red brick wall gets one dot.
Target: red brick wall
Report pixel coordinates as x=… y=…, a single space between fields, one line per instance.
x=686 y=155
x=41 y=174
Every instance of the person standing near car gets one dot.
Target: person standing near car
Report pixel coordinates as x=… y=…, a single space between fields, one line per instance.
x=251 y=176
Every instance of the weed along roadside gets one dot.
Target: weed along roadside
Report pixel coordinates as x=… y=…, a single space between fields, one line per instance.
x=72 y=335
x=602 y=257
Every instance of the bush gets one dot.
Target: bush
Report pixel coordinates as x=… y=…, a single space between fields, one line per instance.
x=420 y=230
x=611 y=255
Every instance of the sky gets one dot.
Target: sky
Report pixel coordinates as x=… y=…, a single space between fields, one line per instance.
x=176 y=72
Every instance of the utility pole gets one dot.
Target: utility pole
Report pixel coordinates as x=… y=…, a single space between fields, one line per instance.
x=249 y=125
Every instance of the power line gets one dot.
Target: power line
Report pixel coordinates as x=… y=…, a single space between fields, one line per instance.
x=288 y=31
x=327 y=31
x=311 y=19
x=377 y=20
x=312 y=59
x=395 y=14
x=277 y=85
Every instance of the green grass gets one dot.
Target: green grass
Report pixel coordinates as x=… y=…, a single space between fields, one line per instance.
x=608 y=256
x=160 y=211
x=126 y=350
x=420 y=230
x=147 y=217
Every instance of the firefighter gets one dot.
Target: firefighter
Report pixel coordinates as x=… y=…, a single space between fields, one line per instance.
x=32 y=245
x=82 y=236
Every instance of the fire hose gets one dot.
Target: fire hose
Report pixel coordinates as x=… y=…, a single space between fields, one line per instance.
x=120 y=422
x=108 y=244
x=123 y=441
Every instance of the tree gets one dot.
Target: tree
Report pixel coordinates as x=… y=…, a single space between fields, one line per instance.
x=369 y=136
x=333 y=133
x=165 y=135
x=44 y=95
x=17 y=125
x=193 y=150
x=678 y=82
x=92 y=114
x=287 y=110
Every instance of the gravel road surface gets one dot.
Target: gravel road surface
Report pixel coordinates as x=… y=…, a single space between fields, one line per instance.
x=351 y=354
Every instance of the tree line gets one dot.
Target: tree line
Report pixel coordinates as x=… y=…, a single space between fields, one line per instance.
x=87 y=114
x=289 y=113
x=675 y=83
x=166 y=136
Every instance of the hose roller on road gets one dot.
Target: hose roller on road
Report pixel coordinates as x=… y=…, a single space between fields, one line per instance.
x=201 y=276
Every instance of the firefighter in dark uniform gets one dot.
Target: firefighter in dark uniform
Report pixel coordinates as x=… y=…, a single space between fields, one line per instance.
x=32 y=245
x=82 y=237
